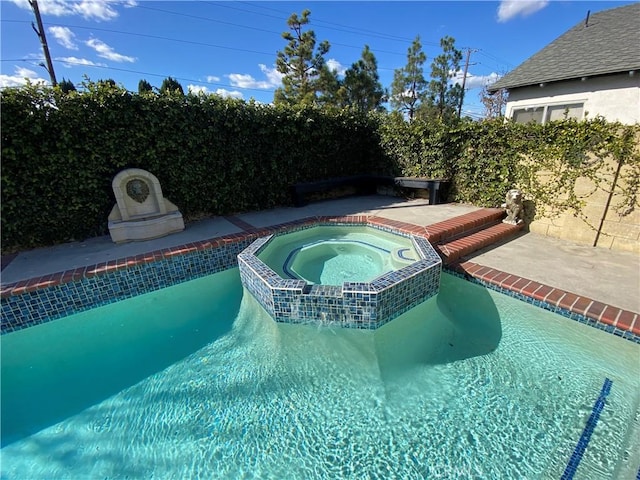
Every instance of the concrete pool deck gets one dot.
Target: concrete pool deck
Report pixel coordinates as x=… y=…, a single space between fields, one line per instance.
x=607 y=276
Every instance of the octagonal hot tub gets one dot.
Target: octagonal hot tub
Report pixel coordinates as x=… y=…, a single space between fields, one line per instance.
x=353 y=275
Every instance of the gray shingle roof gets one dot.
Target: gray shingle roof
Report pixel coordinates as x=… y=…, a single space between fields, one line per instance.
x=610 y=43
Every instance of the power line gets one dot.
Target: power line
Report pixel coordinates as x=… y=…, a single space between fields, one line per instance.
x=249 y=27
x=155 y=37
x=197 y=43
x=187 y=15
x=494 y=58
x=347 y=28
x=353 y=29
x=482 y=52
x=191 y=42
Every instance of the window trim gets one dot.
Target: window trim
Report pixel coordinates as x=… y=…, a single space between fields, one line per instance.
x=545 y=108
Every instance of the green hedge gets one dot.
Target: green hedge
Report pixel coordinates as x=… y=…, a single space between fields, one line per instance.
x=216 y=156
x=486 y=159
x=212 y=156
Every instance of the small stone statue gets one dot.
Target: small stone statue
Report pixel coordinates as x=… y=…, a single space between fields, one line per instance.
x=513 y=206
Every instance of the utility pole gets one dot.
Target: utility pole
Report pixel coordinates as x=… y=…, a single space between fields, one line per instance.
x=464 y=80
x=43 y=40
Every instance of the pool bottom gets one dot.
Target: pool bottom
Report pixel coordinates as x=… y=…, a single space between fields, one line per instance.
x=337 y=262
x=490 y=389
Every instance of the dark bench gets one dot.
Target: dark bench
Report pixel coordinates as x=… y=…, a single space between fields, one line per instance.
x=434 y=185
x=368 y=185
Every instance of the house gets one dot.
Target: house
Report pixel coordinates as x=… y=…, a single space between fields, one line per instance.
x=591 y=70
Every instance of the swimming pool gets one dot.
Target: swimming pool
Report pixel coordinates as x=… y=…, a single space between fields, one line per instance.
x=196 y=380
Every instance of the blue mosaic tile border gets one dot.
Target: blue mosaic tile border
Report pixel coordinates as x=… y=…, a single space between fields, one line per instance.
x=46 y=304
x=31 y=308
x=627 y=335
x=352 y=305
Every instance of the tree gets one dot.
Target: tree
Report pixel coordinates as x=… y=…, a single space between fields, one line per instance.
x=67 y=86
x=444 y=95
x=409 y=86
x=171 y=86
x=362 y=87
x=144 y=87
x=330 y=88
x=300 y=63
x=494 y=103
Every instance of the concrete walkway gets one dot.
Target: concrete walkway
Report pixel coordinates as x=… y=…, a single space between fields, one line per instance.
x=610 y=277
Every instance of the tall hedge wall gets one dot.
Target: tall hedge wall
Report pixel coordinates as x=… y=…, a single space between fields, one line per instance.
x=486 y=159
x=212 y=156
x=216 y=156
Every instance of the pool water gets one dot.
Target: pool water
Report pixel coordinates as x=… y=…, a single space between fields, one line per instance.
x=332 y=255
x=336 y=262
x=197 y=381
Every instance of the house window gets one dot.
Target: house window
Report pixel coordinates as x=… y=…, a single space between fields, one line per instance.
x=548 y=113
x=560 y=112
x=530 y=114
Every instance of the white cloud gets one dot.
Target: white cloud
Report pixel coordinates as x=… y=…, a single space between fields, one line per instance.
x=99 y=10
x=476 y=81
x=197 y=89
x=228 y=93
x=509 y=9
x=273 y=75
x=39 y=56
x=105 y=51
x=220 y=91
x=242 y=80
x=212 y=78
x=75 y=61
x=21 y=74
x=64 y=36
x=335 y=66
x=92 y=9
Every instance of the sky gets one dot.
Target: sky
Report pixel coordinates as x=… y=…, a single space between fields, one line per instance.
x=230 y=48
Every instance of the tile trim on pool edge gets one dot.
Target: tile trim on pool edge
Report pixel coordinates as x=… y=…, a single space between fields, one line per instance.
x=365 y=305
x=614 y=320
x=611 y=319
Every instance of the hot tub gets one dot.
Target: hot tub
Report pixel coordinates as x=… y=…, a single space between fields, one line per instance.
x=356 y=276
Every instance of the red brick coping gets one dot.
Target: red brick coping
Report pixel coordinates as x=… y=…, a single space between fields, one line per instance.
x=623 y=320
x=607 y=315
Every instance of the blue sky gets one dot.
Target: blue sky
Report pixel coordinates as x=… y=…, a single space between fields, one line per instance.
x=230 y=47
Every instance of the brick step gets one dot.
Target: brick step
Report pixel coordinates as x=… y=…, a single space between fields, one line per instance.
x=464 y=224
x=453 y=249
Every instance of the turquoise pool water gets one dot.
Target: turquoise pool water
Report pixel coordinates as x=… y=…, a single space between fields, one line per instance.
x=197 y=381
x=332 y=255
x=333 y=263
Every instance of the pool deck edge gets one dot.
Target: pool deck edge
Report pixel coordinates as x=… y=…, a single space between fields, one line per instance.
x=607 y=317
x=612 y=319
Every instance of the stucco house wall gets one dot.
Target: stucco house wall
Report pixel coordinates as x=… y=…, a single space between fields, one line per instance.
x=595 y=63
x=614 y=97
